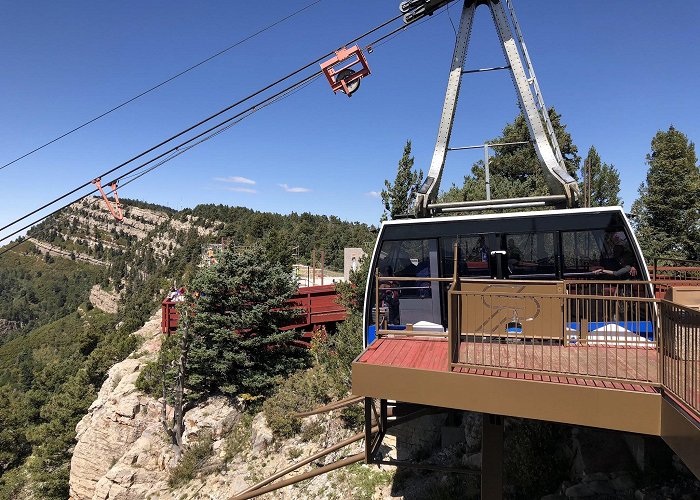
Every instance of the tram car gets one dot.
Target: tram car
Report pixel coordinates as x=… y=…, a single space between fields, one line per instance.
x=589 y=253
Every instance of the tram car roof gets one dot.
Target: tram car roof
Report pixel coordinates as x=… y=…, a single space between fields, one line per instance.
x=573 y=219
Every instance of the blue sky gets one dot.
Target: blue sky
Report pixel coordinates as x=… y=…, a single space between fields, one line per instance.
x=617 y=71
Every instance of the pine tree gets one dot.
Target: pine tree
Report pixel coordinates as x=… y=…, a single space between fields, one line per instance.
x=229 y=340
x=398 y=198
x=236 y=346
x=668 y=208
x=601 y=182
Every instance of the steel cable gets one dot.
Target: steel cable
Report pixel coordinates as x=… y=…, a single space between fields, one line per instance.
x=174 y=151
x=189 y=129
x=164 y=82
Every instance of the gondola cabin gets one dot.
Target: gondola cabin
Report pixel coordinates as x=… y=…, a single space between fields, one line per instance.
x=505 y=260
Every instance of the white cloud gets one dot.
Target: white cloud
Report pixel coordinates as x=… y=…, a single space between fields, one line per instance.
x=241 y=190
x=235 y=179
x=373 y=194
x=294 y=189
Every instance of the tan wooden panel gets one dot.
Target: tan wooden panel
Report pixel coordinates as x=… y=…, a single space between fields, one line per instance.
x=530 y=304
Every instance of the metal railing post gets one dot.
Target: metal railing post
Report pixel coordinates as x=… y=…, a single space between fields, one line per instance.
x=660 y=341
x=453 y=305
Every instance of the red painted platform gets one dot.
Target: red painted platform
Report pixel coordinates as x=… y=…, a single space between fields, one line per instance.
x=318 y=306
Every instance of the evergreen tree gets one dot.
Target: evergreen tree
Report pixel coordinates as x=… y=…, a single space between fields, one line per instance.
x=601 y=182
x=14 y=417
x=398 y=198
x=668 y=208
x=237 y=347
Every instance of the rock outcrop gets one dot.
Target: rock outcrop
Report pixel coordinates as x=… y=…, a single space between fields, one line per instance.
x=104 y=300
x=57 y=251
x=123 y=453
x=120 y=427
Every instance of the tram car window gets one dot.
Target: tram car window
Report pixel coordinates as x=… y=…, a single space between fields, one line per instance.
x=599 y=254
x=530 y=255
x=409 y=301
x=473 y=256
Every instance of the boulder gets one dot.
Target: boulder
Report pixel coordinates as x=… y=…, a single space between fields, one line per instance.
x=261 y=436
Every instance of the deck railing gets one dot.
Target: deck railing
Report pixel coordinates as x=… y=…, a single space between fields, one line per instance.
x=596 y=330
x=667 y=272
x=681 y=346
x=613 y=334
x=666 y=268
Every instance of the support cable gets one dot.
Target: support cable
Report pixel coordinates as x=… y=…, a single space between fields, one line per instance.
x=164 y=82
x=173 y=152
x=189 y=129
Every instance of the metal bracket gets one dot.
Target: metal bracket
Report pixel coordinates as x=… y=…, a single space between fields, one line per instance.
x=417 y=9
x=345 y=70
x=529 y=97
x=118 y=214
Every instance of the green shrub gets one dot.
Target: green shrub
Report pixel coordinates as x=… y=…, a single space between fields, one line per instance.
x=13 y=482
x=336 y=353
x=239 y=437
x=312 y=432
x=191 y=462
x=363 y=480
x=302 y=391
x=353 y=417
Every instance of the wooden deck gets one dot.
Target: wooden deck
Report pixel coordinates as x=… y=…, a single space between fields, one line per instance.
x=636 y=364
x=557 y=364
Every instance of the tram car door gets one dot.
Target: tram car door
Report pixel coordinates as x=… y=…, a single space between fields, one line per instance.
x=409 y=298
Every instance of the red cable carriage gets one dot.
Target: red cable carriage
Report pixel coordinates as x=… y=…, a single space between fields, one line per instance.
x=345 y=70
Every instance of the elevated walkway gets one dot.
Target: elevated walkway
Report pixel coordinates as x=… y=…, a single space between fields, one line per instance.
x=638 y=373
x=416 y=371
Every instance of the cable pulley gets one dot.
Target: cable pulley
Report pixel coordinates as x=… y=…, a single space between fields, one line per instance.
x=345 y=70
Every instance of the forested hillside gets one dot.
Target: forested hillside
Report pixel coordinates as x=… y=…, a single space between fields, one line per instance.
x=55 y=348
x=282 y=234
x=156 y=247
x=36 y=288
x=48 y=378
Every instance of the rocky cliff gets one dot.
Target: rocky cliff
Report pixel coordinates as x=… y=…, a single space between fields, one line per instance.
x=115 y=449
x=123 y=453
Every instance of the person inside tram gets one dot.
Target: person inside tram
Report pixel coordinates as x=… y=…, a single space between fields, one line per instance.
x=477 y=258
x=515 y=257
x=404 y=266
x=479 y=252
x=620 y=266
x=389 y=297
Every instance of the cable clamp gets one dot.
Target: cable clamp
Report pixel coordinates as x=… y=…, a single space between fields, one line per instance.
x=118 y=215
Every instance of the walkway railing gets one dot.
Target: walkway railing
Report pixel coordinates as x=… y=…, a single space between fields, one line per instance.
x=667 y=272
x=612 y=334
x=597 y=330
x=681 y=345
x=666 y=268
